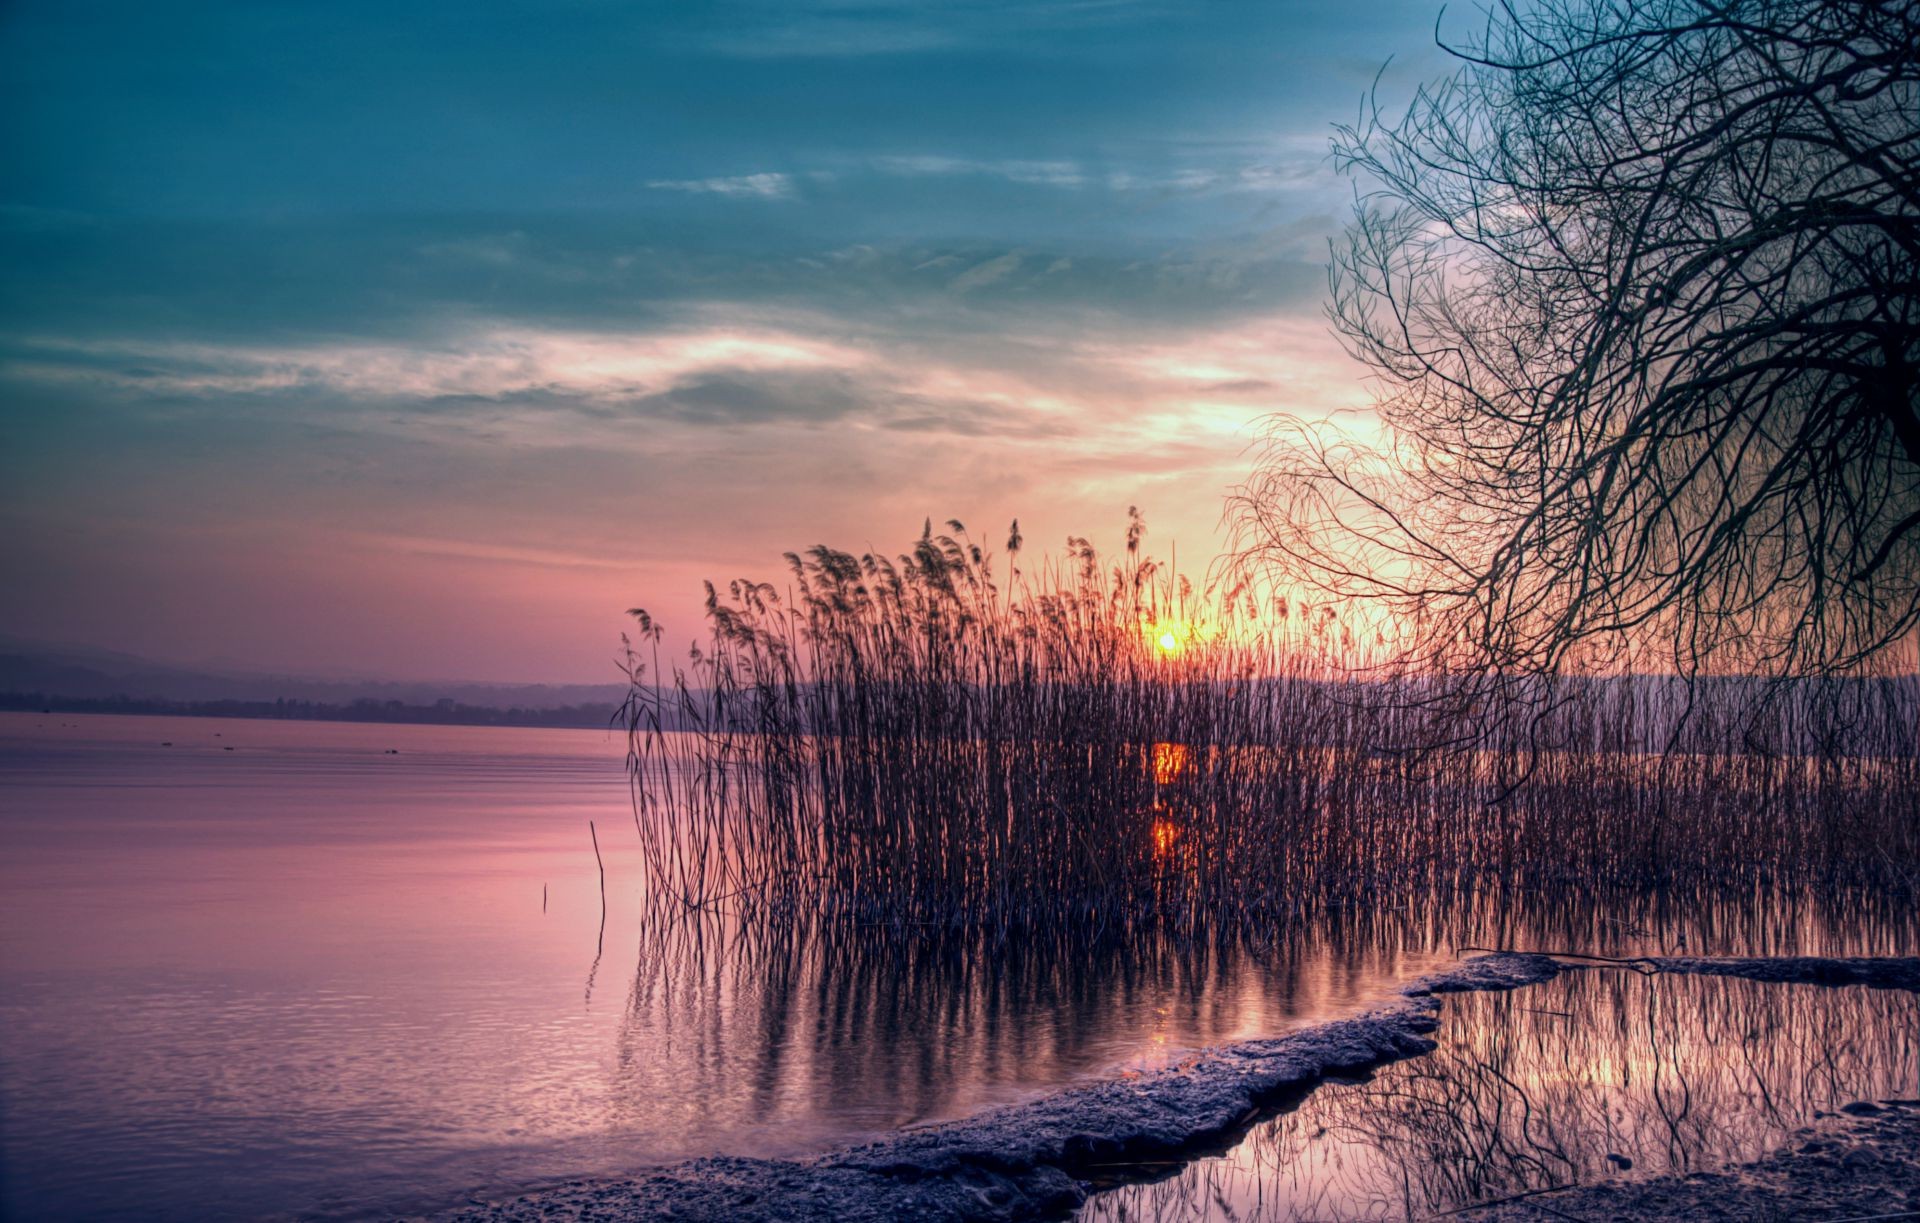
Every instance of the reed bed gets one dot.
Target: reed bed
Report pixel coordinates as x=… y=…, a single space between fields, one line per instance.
x=941 y=739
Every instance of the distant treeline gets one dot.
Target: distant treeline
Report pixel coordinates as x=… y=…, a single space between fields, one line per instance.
x=443 y=712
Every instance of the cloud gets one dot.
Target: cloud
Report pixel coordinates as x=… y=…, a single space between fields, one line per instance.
x=544 y=388
x=777 y=29
x=1302 y=172
x=992 y=271
x=743 y=186
x=743 y=397
x=490 y=363
x=478 y=550
x=1033 y=173
x=412 y=280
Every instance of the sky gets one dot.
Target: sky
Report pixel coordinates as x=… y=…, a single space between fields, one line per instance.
x=422 y=340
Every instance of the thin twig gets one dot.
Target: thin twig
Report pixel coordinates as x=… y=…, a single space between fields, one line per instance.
x=1460 y=1210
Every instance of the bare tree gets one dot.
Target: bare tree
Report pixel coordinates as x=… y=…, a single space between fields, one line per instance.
x=1637 y=284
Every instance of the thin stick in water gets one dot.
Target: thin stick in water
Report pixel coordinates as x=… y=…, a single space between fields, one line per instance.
x=603 y=878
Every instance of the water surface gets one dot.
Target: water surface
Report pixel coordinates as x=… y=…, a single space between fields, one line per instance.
x=260 y=968
x=1592 y=1076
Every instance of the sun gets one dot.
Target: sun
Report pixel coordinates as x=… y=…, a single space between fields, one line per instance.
x=1170 y=638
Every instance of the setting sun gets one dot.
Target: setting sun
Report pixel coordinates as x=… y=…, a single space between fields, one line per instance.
x=1172 y=637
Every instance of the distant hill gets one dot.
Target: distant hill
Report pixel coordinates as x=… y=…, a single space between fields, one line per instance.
x=82 y=679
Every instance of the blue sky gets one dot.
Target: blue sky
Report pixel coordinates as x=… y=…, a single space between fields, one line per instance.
x=420 y=340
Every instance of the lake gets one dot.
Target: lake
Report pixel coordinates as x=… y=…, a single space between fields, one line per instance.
x=255 y=968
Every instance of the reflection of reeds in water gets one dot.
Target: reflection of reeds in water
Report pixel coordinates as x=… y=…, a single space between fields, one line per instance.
x=780 y=1025
x=908 y=742
x=1539 y=1087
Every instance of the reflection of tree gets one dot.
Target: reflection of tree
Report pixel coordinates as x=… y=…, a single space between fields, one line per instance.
x=1539 y=1087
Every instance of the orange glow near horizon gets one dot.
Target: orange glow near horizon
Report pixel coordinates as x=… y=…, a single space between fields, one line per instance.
x=1173 y=639
x=1170 y=638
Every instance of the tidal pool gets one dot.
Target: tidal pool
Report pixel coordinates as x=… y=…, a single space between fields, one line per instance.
x=1596 y=1074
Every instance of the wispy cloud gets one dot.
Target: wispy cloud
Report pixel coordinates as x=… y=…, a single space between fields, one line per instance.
x=992 y=271
x=1285 y=169
x=1037 y=173
x=775 y=29
x=739 y=186
x=485 y=551
x=547 y=387
x=491 y=363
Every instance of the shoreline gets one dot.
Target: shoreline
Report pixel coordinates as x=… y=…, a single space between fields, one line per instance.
x=1041 y=1159
x=1860 y=1164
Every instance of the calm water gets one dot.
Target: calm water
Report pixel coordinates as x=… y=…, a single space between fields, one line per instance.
x=1589 y=1077
x=253 y=969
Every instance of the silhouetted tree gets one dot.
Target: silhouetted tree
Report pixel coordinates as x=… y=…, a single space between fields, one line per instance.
x=1638 y=287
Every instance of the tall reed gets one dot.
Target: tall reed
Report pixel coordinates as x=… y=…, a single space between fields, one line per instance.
x=941 y=738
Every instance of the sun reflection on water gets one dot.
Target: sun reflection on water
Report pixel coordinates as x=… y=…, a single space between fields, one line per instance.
x=1170 y=761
